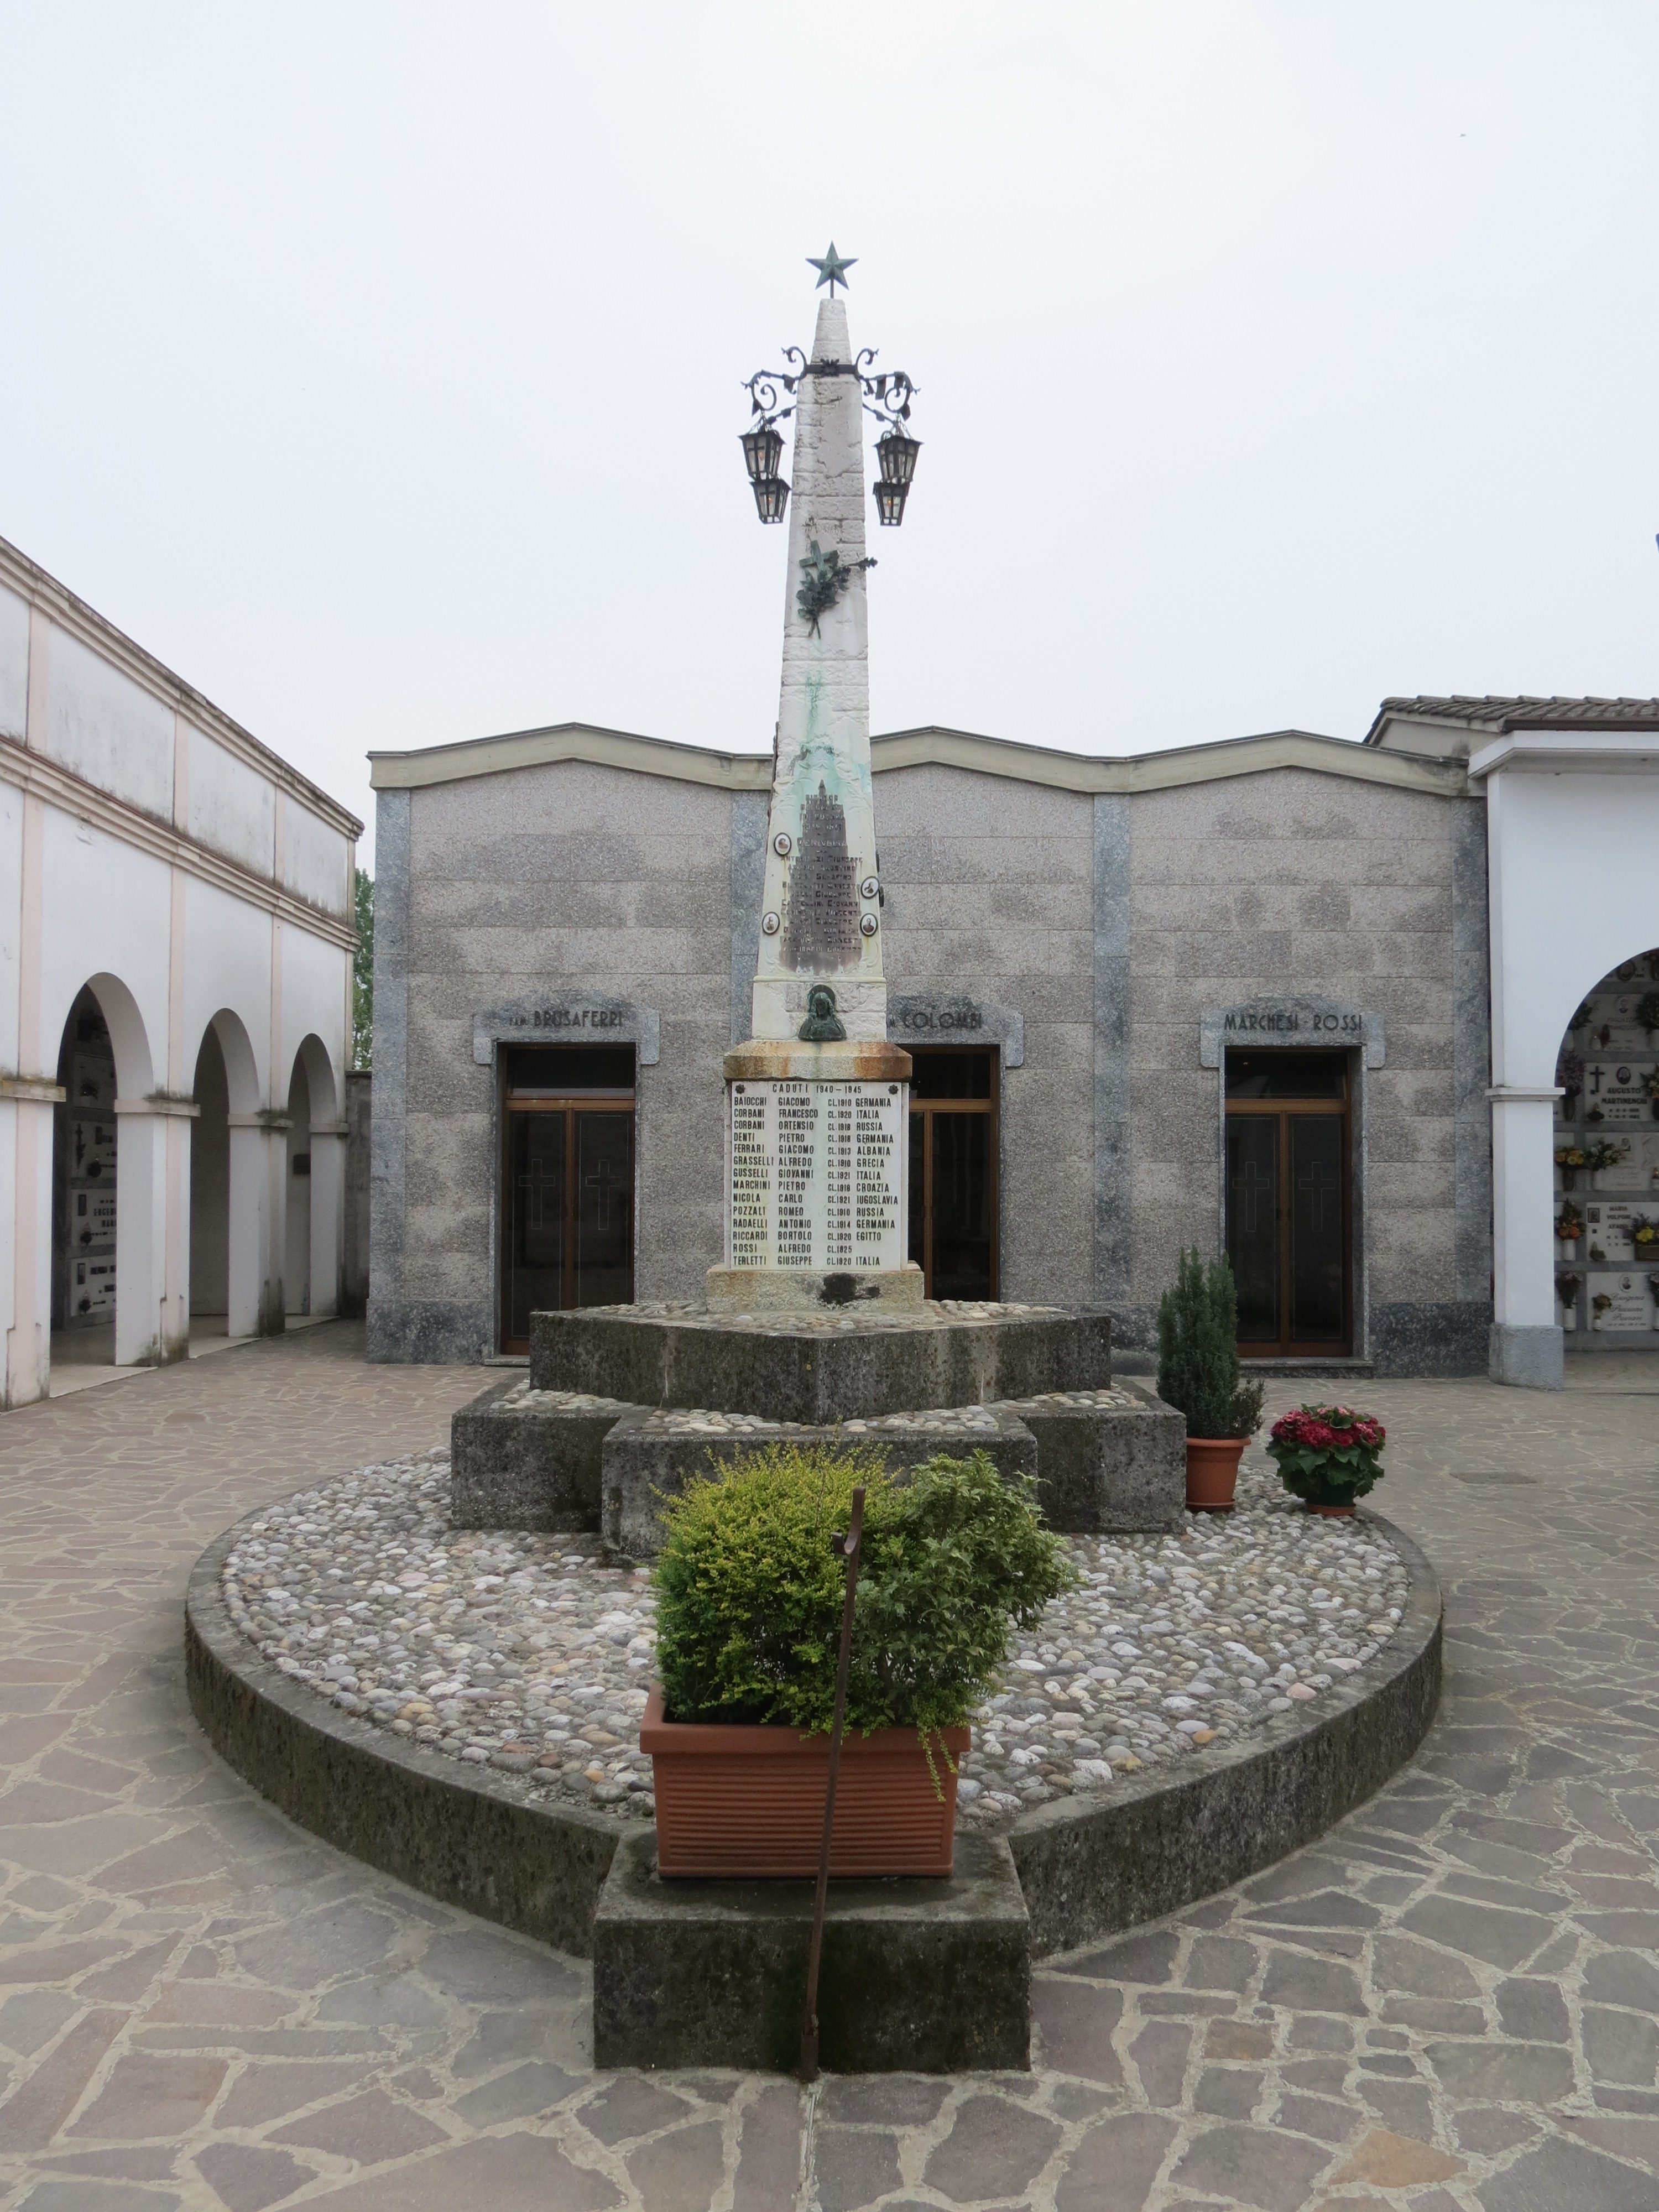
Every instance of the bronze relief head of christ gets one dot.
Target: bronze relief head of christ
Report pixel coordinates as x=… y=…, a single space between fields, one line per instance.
x=822 y=1025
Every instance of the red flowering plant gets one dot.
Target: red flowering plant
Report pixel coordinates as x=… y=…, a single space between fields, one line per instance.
x=1327 y=1455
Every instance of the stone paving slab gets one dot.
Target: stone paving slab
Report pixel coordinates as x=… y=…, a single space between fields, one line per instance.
x=1448 y=2003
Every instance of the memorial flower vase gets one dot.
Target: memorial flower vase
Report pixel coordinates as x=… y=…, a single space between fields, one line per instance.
x=738 y=1802
x=1328 y=1456
x=1212 y=1472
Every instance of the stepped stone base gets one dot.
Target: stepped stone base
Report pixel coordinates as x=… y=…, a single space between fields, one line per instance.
x=1110 y=1462
x=650 y=1454
x=625 y=1404
x=524 y=1458
x=919 y=1977
x=843 y=1363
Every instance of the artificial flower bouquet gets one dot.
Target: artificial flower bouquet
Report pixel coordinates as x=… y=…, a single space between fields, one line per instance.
x=1327 y=1455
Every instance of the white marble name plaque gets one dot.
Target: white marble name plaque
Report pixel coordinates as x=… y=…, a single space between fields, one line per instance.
x=1626 y=1302
x=1617 y=1090
x=816 y=1175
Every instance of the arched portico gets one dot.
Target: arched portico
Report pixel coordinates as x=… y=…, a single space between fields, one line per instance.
x=1592 y=791
x=315 y=1228
x=227 y=1180
x=110 y=1179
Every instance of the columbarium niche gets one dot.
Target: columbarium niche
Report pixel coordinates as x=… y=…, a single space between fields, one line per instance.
x=84 y=1184
x=1607 y=1164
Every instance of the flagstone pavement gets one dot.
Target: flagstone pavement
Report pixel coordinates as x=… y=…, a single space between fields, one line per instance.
x=1452 y=2001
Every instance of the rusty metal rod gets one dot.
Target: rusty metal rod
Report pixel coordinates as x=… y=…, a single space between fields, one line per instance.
x=809 y=2034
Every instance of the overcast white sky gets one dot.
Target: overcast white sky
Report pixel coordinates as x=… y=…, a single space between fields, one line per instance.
x=378 y=367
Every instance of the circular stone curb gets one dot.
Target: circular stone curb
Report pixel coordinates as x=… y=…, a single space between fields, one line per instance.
x=488 y=1841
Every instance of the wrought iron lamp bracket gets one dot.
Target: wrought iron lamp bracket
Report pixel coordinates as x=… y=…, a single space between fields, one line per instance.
x=891 y=390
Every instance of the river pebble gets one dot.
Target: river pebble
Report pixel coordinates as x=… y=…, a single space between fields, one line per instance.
x=530 y=1654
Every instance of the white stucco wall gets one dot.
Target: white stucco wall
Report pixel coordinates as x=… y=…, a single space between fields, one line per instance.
x=11 y=893
x=14 y=664
x=139 y=855
x=229 y=805
x=314 y=860
x=1593 y=794
x=103 y=728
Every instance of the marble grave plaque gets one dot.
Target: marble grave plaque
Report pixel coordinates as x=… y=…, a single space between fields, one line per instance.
x=1632 y=1304
x=815 y=1173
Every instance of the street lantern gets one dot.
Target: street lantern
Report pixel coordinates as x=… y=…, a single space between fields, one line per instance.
x=771 y=497
x=886 y=395
x=763 y=449
x=889 y=502
x=896 y=450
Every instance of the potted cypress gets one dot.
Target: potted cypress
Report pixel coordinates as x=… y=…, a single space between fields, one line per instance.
x=1198 y=1374
x=750 y=1591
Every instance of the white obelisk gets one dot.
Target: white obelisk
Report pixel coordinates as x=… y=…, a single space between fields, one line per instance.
x=818 y=1100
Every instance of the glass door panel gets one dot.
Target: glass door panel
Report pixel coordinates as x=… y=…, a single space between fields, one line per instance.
x=962 y=1206
x=953 y=1171
x=604 y=1209
x=919 y=1190
x=1253 y=1223
x=535 y=1218
x=1316 y=1268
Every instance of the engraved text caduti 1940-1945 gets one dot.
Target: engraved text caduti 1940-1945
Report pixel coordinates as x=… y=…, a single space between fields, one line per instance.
x=814 y=1174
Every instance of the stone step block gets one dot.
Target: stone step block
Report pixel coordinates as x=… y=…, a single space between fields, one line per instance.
x=918 y=1976
x=845 y=1363
x=524 y=1458
x=1110 y=1461
x=651 y=1454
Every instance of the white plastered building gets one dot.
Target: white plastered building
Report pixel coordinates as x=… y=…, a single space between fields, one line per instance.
x=175 y=978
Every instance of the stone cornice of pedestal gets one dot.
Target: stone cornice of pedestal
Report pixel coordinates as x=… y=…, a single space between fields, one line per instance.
x=864 y=1059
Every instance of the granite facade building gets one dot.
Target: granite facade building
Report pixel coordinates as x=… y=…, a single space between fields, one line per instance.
x=1237 y=994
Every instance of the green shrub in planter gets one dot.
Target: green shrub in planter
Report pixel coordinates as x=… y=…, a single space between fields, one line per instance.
x=750 y=1590
x=1198 y=1350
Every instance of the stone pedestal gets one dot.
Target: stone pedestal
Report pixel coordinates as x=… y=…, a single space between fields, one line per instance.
x=650 y=1456
x=625 y=1404
x=918 y=1976
x=841 y=1364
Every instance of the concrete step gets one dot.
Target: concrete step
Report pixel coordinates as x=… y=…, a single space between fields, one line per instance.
x=918 y=1976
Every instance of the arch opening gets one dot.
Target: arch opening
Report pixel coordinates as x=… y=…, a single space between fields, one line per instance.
x=84 y=1188
x=1605 y=1146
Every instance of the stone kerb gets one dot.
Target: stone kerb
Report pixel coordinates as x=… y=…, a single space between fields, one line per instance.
x=819 y=1370
x=1153 y=1845
x=412 y=1813
x=477 y=1838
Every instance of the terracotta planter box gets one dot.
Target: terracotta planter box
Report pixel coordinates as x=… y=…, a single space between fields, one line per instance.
x=738 y=1801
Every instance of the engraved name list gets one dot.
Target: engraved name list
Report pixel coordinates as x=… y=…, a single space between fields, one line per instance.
x=816 y=1175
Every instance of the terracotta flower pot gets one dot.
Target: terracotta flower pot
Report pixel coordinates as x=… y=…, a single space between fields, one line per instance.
x=1332 y=1512
x=738 y=1801
x=1212 y=1472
